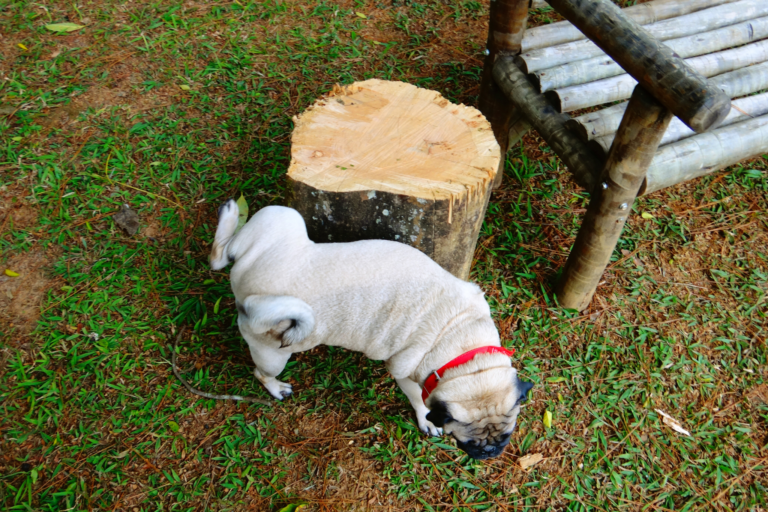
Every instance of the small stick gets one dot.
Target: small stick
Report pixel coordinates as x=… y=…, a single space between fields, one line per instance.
x=203 y=393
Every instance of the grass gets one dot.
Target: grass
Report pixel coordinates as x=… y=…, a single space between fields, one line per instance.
x=172 y=107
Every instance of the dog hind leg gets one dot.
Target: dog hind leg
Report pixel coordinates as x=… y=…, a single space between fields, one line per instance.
x=266 y=319
x=413 y=391
x=269 y=363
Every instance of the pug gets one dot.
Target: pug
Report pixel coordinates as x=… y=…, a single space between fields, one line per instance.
x=385 y=299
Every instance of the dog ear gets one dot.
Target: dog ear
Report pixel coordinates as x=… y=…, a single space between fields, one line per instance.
x=524 y=388
x=439 y=414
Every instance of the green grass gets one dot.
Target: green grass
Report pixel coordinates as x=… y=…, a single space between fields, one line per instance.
x=91 y=416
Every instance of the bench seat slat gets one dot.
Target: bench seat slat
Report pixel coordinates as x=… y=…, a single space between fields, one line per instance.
x=598 y=68
x=706 y=153
x=620 y=87
x=690 y=24
x=650 y=12
x=742 y=109
x=735 y=84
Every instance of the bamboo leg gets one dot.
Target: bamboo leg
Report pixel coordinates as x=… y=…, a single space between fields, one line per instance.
x=637 y=140
x=505 y=36
x=550 y=124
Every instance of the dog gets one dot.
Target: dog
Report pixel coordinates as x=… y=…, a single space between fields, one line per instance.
x=382 y=298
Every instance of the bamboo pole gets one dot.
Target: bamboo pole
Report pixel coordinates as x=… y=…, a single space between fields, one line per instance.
x=505 y=34
x=737 y=83
x=620 y=87
x=517 y=131
x=743 y=81
x=561 y=32
x=659 y=71
x=707 y=153
x=590 y=70
x=611 y=202
x=690 y=24
x=741 y=110
x=549 y=123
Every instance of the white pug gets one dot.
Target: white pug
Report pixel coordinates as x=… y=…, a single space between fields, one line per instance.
x=384 y=299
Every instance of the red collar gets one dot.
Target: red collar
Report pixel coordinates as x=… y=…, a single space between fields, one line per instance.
x=431 y=383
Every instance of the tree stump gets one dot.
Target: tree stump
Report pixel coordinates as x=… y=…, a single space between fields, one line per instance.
x=388 y=160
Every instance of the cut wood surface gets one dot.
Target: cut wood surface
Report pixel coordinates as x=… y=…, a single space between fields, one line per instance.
x=741 y=110
x=737 y=83
x=706 y=153
x=547 y=121
x=590 y=70
x=690 y=24
x=650 y=12
x=388 y=160
x=620 y=87
x=660 y=71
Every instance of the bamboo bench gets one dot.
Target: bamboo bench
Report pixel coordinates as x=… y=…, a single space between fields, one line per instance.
x=683 y=58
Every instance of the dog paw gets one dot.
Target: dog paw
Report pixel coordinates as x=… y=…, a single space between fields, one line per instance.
x=428 y=428
x=228 y=207
x=279 y=390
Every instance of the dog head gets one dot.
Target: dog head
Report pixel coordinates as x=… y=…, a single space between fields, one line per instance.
x=478 y=404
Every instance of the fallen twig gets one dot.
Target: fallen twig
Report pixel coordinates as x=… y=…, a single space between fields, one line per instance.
x=196 y=391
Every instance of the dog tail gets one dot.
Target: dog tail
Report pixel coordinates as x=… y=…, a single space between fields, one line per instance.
x=292 y=319
x=228 y=216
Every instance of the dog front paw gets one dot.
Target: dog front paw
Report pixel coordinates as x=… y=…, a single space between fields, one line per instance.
x=279 y=390
x=228 y=207
x=428 y=428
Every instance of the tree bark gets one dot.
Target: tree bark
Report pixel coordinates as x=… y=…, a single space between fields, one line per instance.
x=388 y=160
x=611 y=202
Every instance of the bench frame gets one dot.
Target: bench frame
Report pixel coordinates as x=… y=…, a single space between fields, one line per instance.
x=666 y=87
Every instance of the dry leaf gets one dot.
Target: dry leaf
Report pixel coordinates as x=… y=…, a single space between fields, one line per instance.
x=22 y=47
x=127 y=219
x=242 y=211
x=547 y=419
x=11 y=273
x=672 y=422
x=184 y=87
x=527 y=461
x=758 y=394
x=64 y=27
x=646 y=216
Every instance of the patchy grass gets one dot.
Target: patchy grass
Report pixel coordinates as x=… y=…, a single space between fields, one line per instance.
x=172 y=107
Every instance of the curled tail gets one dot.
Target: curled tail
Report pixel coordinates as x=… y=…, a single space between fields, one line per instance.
x=228 y=213
x=291 y=318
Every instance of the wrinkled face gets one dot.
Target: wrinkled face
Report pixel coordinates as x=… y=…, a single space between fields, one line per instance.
x=479 y=410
